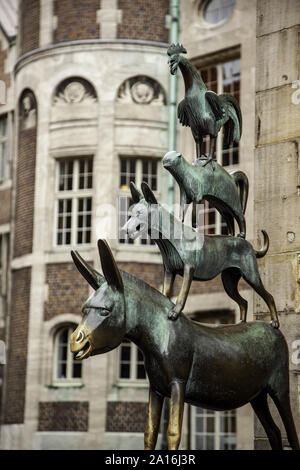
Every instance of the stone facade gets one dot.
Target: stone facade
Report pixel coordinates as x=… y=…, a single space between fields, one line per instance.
x=102 y=93
x=276 y=192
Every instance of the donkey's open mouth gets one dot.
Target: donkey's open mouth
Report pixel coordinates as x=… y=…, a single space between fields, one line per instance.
x=84 y=352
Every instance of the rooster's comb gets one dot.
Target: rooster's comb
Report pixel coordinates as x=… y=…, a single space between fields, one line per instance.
x=176 y=49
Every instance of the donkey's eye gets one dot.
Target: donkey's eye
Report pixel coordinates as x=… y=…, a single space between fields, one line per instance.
x=104 y=312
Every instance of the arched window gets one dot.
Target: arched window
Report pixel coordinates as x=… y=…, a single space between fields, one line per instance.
x=131 y=362
x=66 y=368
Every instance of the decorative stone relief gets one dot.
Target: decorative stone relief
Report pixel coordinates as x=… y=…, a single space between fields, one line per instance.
x=74 y=91
x=141 y=90
x=27 y=111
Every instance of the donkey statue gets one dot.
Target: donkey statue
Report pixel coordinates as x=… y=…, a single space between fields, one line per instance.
x=219 y=368
x=228 y=192
x=232 y=257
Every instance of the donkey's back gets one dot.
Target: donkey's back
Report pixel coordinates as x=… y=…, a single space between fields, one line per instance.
x=233 y=363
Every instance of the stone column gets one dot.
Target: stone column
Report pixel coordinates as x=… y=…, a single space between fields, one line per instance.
x=276 y=177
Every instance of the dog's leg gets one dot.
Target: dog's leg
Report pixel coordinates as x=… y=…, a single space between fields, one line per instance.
x=230 y=279
x=253 y=278
x=188 y=276
x=168 y=283
x=153 y=420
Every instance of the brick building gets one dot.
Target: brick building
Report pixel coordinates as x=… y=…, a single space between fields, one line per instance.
x=86 y=111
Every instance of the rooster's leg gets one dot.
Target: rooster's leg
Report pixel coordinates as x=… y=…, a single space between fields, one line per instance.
x=210 y=157
x=199 y=142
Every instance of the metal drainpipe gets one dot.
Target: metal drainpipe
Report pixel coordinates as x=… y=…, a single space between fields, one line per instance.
x=173 y=38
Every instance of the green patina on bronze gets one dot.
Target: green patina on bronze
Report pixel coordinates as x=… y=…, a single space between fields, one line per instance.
x=202 y=110
x=228 y=192
x=216 y=367
x=194 y=256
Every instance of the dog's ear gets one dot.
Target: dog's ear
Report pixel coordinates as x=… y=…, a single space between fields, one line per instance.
x=148 y=194
x=135 y=193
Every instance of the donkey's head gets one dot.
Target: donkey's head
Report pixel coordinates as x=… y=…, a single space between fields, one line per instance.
x=140 y=218
x=103 y=324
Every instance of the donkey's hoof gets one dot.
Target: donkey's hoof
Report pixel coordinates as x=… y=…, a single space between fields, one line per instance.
x=275 y=323
x=173 y=315
x=241 y=235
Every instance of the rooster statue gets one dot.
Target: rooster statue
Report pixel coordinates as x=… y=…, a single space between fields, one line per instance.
x=202 y=110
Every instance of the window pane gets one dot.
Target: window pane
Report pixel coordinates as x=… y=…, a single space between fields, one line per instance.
x=124 y=371
x=61 y=370
x=76 y=373
x=128 y=172
x=65 y=168
x=62 y=353
x=125 y=353
x=141 y=373
x=63 y=337
x=64 y=222
x=84 y=220
x=85 y=173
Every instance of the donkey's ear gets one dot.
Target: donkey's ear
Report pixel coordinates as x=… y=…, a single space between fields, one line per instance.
x=92 y=276
x=109 y=266
x=148 y=194
x=135 y=193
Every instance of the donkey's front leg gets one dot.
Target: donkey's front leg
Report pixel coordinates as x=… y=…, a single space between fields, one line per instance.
x=153 y=419
x=188 y=276
x=176 y=414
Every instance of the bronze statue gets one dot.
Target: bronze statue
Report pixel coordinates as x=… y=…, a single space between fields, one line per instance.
x=232 y=257
x=228 y=192
x=219 y=368
x=202 y=110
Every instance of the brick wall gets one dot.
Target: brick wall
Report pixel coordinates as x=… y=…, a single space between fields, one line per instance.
x=126 y=416
x=67 y=290
x=25 y=180
x=63 y=416
x=143 y=20
x=29 y=25
x=76 y=20
x=17 y=353
x=153 y=275
x=5 y=196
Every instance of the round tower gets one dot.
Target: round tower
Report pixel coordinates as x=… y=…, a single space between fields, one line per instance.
x=91 y=82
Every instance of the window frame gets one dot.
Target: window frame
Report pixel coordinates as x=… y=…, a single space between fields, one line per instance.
x=69 y=380
x=219 y=143
x=202 y=7
x=137 y=244
x=133 y=363
x=74 y=195
x=218 y=433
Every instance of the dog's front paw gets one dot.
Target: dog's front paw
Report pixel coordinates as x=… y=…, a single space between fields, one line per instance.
x=275 y=323
x=173 y=314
